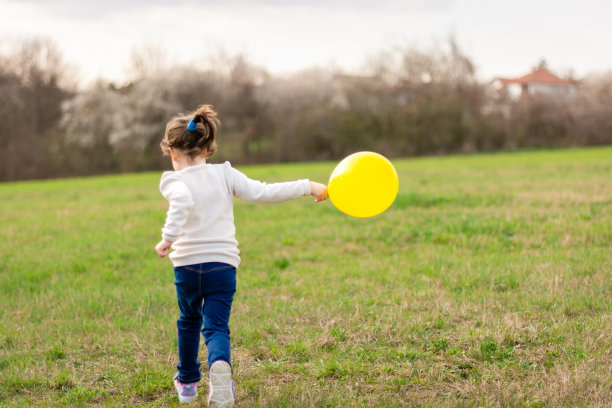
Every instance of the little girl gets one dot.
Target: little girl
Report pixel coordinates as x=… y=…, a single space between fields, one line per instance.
x=200 y=228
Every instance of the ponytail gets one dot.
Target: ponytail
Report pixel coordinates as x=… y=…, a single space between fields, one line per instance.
x=193 y=134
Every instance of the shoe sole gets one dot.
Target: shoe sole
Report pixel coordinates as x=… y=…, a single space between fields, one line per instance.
x=186 y=400
x=221 y=393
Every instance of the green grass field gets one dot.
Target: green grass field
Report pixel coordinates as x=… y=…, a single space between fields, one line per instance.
x=487 y=283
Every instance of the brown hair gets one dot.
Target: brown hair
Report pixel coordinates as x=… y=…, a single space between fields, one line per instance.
x=192 y=143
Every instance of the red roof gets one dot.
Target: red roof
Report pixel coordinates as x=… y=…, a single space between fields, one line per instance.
x=538 y=76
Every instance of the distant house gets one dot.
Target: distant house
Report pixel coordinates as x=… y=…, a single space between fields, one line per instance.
x=539 y=82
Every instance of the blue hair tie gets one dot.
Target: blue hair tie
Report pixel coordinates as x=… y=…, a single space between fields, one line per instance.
x=192 y=125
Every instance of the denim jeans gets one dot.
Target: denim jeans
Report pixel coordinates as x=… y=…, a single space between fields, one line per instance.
x=205 y=293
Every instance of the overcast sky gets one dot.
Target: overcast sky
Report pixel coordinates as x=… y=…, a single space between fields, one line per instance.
x=503 y=38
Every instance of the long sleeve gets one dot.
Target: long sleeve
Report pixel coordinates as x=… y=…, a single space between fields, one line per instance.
x=258 y=192
x=174 y=189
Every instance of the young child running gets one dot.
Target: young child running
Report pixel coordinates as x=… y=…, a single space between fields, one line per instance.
x=200 y=228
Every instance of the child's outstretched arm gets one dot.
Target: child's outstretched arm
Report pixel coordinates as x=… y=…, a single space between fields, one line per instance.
x=258 y=192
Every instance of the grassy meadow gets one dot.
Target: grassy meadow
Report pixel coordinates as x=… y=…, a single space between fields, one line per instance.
x=488 y=283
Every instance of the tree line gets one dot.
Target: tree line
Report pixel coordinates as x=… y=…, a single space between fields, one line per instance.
x=405 y=102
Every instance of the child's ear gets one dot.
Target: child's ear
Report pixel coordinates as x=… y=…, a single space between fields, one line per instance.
x=173 y=155
x=207 y=155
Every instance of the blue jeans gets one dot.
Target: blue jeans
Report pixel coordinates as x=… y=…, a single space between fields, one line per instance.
x=205 y=293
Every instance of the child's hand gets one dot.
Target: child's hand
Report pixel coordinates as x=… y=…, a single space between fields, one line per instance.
x=319 y=191
x=162 y=248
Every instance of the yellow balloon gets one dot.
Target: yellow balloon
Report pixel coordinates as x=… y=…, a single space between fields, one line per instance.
x=363 y=184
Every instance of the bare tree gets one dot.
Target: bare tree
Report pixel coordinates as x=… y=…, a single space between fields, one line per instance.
x=592 y=111
x=33 y=86
x=148 y=60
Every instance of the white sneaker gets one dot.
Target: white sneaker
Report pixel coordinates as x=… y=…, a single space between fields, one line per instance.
x=220 y=385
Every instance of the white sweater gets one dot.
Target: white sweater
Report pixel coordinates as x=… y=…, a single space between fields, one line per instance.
x=200 y=219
